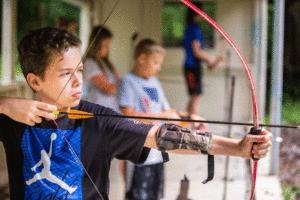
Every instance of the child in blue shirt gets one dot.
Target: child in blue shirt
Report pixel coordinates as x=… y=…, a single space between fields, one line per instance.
x=194 y=58
x=141 y=94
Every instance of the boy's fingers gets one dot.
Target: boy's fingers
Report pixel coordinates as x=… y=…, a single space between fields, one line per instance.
x=45 y=114
x=29 y=122
x=267 y=134
x=256 y=138
x=36 y=119
x=46 y=107
x=260 y=153
x=262 y=146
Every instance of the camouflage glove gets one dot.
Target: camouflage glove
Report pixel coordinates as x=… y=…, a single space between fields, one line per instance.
x=171 y=136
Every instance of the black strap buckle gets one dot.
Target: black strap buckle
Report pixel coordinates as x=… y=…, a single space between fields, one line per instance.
x=210 y=168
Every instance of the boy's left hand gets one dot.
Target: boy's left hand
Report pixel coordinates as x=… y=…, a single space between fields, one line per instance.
x=199 y=126
x=260 y=149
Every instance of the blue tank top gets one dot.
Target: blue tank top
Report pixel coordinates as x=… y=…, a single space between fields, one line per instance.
x=192 y=32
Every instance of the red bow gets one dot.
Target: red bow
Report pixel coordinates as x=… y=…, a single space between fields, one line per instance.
x=255 y=107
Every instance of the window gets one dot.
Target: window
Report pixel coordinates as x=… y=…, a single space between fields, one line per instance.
x=174 y=22
x=34 y=14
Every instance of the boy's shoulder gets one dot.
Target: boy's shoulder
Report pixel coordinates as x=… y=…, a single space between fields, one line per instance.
x=130 y=77
x=133 y=77
x=93 y=108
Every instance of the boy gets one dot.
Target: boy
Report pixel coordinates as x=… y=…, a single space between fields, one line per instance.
x=140 y=94
x=41 y=163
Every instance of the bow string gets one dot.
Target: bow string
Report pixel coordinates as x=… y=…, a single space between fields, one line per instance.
x=71 y=148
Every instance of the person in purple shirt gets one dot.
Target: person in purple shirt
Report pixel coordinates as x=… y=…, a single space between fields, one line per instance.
x=194 y=56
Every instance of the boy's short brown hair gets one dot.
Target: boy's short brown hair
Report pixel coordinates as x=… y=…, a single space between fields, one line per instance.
x=147 y=46
x=38 y=47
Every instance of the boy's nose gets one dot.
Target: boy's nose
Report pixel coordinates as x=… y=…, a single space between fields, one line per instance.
x=77 y=79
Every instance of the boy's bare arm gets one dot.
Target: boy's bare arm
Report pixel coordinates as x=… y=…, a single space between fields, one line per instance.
x=26 y=111
x=258 y=145
x=211 y=60
x=169 y=113
x=199 y=126
x=223 y=146
x=103 y=83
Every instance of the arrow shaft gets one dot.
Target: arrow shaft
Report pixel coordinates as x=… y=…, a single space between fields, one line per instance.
x=182 y=120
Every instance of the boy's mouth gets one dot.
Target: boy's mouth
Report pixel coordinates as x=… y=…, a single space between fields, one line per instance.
x=77 y=95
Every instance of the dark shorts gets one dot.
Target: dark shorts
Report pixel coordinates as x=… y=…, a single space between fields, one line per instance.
x=193 y=77
x=147 y=183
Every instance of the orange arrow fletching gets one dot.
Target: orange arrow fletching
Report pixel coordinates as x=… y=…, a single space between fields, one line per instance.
x=77 y=114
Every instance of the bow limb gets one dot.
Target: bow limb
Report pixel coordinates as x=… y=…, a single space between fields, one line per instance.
x=253 y=91
x=233 y=45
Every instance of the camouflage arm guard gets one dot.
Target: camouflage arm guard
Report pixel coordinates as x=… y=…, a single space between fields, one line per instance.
x=171 y=136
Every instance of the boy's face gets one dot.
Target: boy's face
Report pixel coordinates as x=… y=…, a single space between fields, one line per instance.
x=56 y=77
x=151 y=64
x=104 y=48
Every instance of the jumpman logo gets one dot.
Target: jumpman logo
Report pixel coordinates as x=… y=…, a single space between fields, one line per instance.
x=46 y=173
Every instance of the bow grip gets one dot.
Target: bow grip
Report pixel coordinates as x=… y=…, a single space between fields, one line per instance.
x=255 y=131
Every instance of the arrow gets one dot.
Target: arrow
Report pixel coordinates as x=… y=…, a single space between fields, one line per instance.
x=78 y=114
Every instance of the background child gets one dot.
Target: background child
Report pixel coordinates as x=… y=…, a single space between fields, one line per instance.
x=141 y=94
x=67 y=23
x=99 y=74
x=194 y=56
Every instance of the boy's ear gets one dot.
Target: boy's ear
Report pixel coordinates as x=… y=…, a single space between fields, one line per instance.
x=34 y=81
x=141 y=59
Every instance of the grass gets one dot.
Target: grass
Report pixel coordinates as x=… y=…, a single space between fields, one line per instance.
x=290 y=193
x=290 y=114
x=290 y=110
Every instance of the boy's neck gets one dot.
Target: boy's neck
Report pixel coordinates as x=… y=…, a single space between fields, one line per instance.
x=60 y=108
x=137 y=71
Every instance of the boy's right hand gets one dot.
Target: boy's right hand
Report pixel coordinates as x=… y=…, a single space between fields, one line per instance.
x=171 y=114
x=27 y=111
x=213 y=64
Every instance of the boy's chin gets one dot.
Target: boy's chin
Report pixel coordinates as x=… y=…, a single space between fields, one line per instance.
x=70 y=104
x=75 y=103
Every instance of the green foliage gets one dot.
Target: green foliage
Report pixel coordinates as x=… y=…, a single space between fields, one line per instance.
x=0 y=66
x=290 y=111
x=289 y=192
x=33 y=14
x=174 y=22
x=208 y=29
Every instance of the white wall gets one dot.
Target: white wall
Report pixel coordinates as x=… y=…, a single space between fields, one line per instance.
x=124 y=21
x=234 y=16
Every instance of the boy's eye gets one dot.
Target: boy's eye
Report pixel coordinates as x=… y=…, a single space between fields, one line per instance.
x=66 y=74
